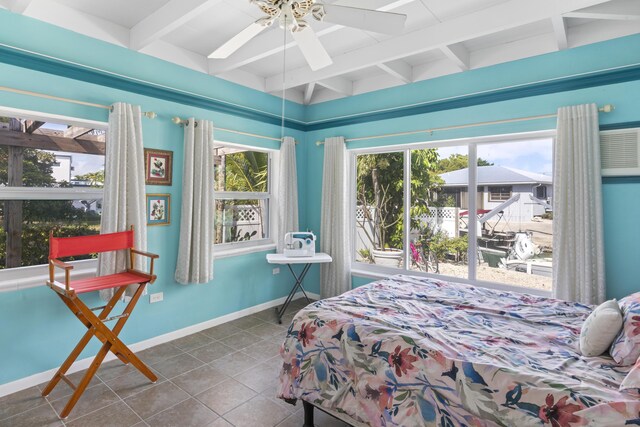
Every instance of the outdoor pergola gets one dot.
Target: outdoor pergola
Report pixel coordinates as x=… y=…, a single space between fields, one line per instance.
x=29 y=134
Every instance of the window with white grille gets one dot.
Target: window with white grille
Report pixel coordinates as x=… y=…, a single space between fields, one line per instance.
x=242 y=195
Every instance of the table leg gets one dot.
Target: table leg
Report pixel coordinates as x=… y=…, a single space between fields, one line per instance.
x=294 y=289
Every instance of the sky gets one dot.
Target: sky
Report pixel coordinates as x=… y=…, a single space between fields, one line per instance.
x=532 y=155
x=82 y=163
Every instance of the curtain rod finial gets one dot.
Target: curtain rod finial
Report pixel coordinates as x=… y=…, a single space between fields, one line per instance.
x=607 y=108
x=150 y=114
x=177 y=120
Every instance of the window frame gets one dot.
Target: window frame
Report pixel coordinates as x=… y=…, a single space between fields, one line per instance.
x=36 y=275
x=224 y=250
x=361 y=269
x=501 y=198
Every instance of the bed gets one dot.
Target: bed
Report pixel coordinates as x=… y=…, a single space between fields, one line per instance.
x=409 y=351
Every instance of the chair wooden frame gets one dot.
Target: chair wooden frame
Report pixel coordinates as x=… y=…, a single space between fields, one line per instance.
x=68 y=293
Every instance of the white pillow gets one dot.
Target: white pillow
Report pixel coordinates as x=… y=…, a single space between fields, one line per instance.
x=600 y=328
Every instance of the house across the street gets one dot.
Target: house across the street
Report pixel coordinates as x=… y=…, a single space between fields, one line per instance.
x=497 y=185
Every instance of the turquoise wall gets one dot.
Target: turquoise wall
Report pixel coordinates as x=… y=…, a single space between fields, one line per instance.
x=39 y=332
x=621 y=208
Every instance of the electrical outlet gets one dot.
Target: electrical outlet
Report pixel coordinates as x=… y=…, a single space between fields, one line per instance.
x=276 y=271
x=156 y=297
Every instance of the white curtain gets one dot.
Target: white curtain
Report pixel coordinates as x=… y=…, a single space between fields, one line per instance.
x=195 y=251
x=287 y=191
x=335 y=277
x=124 y=202
x=578 y=249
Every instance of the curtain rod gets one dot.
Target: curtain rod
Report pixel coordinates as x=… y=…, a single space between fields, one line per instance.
x=179 y=121
x=605 y=109
x=148 y=114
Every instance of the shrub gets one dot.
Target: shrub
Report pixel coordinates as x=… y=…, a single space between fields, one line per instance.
x=35 y=240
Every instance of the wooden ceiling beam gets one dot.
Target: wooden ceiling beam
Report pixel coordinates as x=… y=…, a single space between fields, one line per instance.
x=398 y=69
x=500 y=17
x=338 y=84
x=19 y=6
x=172 y=15
x=308 y=93
x=457 y=54
x=621 y=10
x=74 y=132
x=52 y=143
x=560 y=31
x=32 y=125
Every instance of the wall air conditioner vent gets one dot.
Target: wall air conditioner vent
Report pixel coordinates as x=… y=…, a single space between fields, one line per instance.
x=620 y=152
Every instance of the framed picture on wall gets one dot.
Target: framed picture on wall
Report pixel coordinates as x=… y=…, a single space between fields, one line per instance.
x=158 y=209
x=158 y=165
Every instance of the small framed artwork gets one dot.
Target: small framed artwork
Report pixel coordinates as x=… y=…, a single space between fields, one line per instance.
x=158 y=165
x=158 y=209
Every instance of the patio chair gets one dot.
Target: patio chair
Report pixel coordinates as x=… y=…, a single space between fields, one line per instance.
x=71 y=289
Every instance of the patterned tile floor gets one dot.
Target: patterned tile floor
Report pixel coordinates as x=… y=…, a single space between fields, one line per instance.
x=223 y=376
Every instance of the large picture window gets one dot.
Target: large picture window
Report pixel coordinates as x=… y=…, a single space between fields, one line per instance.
x=51 y=174
x=242 y=195
x=414 y=211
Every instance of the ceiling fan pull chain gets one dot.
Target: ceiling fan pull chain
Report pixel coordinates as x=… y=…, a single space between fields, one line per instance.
x=284 y=72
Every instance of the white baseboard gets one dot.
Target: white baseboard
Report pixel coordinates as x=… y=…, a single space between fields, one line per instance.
x=80 y=365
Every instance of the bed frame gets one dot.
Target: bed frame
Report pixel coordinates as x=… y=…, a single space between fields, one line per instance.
x=308 y=415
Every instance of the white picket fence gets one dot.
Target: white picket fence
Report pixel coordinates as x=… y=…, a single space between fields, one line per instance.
x=445 y=219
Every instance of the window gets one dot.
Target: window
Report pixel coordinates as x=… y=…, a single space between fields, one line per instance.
x=414 y=211
x=499 y=194
x=40 y=160
x=541 y=191
x=242 y=195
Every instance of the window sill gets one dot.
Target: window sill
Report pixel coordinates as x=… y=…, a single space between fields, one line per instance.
x=232 y=252
x=377 y=272
x=16 y=279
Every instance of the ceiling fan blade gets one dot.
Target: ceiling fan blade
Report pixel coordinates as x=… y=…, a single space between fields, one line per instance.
x=365 y=19
x=238 y=41
x=312 y=49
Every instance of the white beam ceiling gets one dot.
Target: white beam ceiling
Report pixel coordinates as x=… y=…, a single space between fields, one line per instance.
x=443 y=38
x=308 y=93
x=458 y=54
x=502 y=16
x=337 y=84
x=623 y=10
x=270 y=43
x=19 y=6
x=560 y=31
x=169 y=17
x=398 y=69
x=80 y=22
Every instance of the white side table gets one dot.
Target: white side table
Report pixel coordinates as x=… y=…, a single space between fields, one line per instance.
x=318 y=258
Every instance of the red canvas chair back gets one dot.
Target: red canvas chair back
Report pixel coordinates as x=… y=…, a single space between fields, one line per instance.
x=60 y=247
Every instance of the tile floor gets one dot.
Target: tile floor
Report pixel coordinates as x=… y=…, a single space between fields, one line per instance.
x=223 y=376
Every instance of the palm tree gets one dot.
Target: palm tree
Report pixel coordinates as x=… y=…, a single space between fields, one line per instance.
x=245 y=171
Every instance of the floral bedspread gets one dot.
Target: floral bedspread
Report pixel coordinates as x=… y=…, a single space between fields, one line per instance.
x=410 y=351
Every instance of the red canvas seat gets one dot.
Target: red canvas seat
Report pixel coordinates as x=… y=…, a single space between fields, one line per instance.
x=60 y=247
x=106 y=282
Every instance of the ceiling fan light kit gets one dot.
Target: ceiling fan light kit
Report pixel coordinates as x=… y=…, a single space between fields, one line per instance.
x=291 y=14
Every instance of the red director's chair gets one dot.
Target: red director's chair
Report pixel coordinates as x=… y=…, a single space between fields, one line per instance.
x=70 y=289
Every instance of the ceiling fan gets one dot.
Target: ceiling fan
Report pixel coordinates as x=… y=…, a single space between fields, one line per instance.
x=291 y=14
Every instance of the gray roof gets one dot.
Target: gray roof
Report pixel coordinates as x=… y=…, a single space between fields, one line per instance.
x=490 y=175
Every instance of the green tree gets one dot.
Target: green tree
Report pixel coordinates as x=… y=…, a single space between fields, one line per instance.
x=96 y=179
x=41 y=216
x=380 y=191
x=458 y=161
x=247 y=171
x=37 y=167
